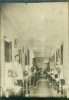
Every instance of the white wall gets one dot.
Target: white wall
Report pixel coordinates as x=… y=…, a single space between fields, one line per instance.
x=8 y=30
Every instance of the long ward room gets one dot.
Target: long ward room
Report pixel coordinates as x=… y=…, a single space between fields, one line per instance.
x=34 y=49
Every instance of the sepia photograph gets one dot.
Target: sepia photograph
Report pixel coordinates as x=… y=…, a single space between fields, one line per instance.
x=34 y=50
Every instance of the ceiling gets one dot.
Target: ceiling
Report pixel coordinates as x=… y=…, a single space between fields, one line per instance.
x=42 y=25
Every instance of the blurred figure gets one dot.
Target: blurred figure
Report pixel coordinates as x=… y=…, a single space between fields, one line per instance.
x=34 y=75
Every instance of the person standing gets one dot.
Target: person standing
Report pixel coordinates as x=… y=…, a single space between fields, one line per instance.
x=18 y=73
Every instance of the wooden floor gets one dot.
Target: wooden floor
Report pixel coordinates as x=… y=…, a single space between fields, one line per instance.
x=42 y=89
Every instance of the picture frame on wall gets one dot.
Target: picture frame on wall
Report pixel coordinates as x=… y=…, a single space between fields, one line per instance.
x=15 y=43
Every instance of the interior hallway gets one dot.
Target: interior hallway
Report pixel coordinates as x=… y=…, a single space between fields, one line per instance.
x=42 y=89
x=40 y=36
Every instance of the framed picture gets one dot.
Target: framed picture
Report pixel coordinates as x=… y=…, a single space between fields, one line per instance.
x=15 y=43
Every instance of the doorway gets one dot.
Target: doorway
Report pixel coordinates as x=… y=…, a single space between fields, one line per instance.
x=7 y=63
x=7 y=50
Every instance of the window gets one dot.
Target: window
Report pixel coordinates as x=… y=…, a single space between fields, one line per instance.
x=56 y=55
x=7 y=50
x=28 y=57
x=61 y=54
x=25 y=59
x=34 y=60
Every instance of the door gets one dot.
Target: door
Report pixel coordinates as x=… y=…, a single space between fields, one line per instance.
x=8 y=51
